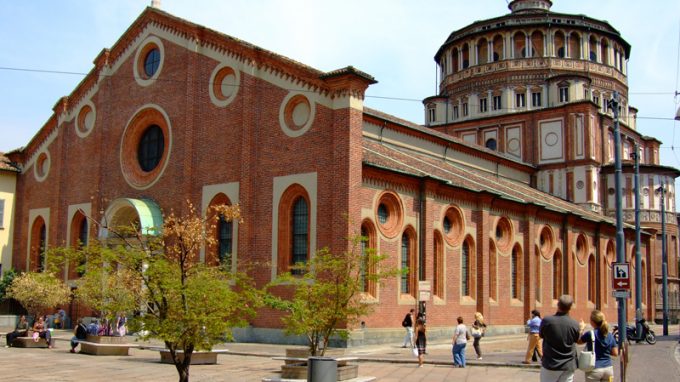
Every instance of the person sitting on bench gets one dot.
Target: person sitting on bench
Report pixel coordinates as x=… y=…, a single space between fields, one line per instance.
x=20 y=330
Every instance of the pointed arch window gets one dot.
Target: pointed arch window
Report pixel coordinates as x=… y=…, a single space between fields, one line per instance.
x=438 y=266
x=591 y=279
x=465 y=269
x=405 y=263
x=299 y=232
x=557 y=275
x=368 y=245
x=516 y=273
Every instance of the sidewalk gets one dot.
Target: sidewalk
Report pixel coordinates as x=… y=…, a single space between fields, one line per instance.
x=250 y=362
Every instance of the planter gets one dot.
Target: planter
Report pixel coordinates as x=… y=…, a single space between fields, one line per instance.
x=105 y=339
x=197 y=357
x=296 y=362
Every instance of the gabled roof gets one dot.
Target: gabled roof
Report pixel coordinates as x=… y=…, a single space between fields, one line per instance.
x=7 y=165
x=402 y=160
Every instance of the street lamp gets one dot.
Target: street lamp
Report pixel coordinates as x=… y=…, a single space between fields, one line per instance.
x=664 y=259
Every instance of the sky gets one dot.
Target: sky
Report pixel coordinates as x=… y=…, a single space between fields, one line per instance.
x=392 y=40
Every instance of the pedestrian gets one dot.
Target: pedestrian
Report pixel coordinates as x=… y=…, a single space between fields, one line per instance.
x=20 y=330
x=605 y=348
x=535 y=341
x=459 y=341
x=407 y=323
x=559 y=333
x=478 y=329
x=421 y=341
x=80 y=333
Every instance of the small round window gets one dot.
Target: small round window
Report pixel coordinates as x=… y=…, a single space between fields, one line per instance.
x=389 y=214
x=383 y=213
x=152 y=62
x=150 y=149
x=452 y=224
x=546 y=241
x=491 y=144
x=503 y=234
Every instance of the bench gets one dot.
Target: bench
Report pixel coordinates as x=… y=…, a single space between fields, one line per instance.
x=98 y=348
x=28 y=342
x=201 y=357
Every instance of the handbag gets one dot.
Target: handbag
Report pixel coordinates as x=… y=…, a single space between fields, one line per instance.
x=415 y=351
x=476 y=332
x=586 y=359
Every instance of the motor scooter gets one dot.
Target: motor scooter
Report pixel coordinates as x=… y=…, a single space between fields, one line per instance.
x=647 y=334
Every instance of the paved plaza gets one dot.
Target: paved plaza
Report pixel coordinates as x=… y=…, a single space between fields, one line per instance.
x=252 y=362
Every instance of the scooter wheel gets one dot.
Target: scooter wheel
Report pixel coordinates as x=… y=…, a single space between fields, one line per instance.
x=650 y=338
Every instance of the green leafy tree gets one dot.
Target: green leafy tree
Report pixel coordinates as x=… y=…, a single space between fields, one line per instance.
x=6 y=281
x=328 y=293
x=39 y=291
x=157 y=274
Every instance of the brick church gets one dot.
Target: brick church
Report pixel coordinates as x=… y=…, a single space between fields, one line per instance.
x=501 y=202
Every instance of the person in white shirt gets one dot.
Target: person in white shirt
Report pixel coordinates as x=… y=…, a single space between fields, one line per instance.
x=459 y=342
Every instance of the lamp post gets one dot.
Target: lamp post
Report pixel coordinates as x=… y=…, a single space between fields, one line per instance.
x=638 y=256
x=664 y=259
x=620 y=254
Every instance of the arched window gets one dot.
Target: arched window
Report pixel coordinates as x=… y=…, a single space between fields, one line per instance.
x=438 y=266
x=592 y=281
x=575 y=45
x=79 y=239
x=482 y=51
x=222 y=251
x=557 y=275
x=454 y=60
x=538 y=281
x=560 y=47
x=516 y=273
x=466 y=56
x=465 y=269
x=498 y=48
x=605 y=52
x=493 y=272
x=299 y=232
x=150 y=149
x=593 y=49
x=365 y=267
x=519 y=45
x=407 y=262
x=224 y=241
x=537 y=44
x=38 y=245
x=293 y=229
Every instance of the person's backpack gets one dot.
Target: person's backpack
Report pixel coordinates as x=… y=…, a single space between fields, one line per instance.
x=404 y=323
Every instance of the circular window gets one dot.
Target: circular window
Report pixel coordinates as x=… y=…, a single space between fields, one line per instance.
x=85 y=120
x=580 y=184
x=224 y=85
x=42 y=166
x=389 y=214
x=503 y=234
x=611 y=191
x=581 y=247
x=145 y=147
x=491 y=144
x=150 y=149
x=546 y=241
x=152 y=62
x=296 y=114
x=453 y=224
x=148 y=61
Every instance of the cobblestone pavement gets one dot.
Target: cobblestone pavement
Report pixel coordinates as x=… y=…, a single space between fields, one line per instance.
x=252 y=362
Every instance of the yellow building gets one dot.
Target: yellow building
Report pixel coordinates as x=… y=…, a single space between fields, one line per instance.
x=8 y=177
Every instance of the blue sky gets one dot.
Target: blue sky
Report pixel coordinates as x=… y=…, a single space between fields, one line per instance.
x=393 y=40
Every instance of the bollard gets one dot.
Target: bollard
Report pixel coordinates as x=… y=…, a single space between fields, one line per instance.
x=322 y=369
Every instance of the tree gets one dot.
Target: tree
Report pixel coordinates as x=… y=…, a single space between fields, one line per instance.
x=38 y=292
x=329 y=295
x=6 y=281
x=157 y=274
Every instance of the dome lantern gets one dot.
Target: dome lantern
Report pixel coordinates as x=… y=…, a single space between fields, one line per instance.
x=519 y=6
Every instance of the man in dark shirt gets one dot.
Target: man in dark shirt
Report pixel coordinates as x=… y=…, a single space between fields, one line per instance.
x=560 y=333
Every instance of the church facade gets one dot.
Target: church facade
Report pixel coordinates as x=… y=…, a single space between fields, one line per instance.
x=174 y=111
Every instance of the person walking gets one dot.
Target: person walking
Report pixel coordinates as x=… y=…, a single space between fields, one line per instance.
x=605 y=348
x=407 y=323
x=421 y=341
x=535 y=341
x=559 y=333
x=478 y=329
x=459 y=342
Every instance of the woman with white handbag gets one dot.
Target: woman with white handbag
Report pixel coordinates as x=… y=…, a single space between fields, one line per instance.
x=602 y=343
x=477 y=331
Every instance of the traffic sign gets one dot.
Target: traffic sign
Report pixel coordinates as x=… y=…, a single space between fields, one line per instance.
x=621 y=276
x=621 y=293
